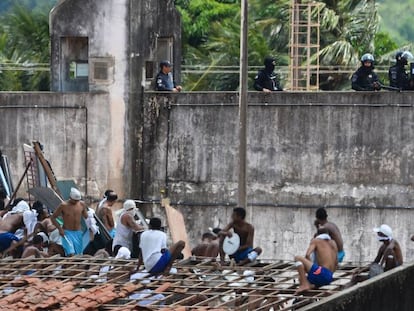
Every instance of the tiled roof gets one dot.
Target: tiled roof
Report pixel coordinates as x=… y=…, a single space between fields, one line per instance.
x=77 y=284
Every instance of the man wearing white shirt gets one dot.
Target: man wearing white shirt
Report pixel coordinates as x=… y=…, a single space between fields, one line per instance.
x=155 y=255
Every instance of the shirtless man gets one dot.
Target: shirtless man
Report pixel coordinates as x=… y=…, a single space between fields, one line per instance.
x=389 y=255
x=321 y=274
x=209 y=246
x=333 y=231
x=36 y=249
x=246 y=253
x=45 y=224
x=71 y=212
x=104 y=212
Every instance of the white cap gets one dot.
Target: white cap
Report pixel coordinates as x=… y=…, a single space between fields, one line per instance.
x=75 y=194
x=129 y=204
x=123 y=253
x=384 y=229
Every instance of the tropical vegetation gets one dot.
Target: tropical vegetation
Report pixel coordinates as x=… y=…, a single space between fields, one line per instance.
x=211 y=28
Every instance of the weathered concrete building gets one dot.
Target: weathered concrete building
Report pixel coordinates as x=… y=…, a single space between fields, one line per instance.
x=113 y=46
x=352 y=152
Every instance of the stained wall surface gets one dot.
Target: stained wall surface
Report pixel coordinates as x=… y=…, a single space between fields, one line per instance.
x=351 y=152
x=72 y=128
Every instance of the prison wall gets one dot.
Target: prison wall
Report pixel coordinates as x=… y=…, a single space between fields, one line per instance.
x=350 y=152
x=72 y=127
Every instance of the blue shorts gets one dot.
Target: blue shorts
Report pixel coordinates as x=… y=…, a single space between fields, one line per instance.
x=72 y=242
x=320 y=276
x=341 y=255
x=112 y=232
x=241 y=255
x=162 y=263
x=6 y=240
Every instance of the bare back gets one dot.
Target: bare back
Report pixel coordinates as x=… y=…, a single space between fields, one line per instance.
x=11 y=223
x=72 y=214
x=246 y=233
x=105 y=215
x=335 y=234
x=326 y=253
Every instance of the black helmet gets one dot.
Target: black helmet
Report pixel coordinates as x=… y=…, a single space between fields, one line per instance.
x=270 y=63
x=269 y=60
x=367 y=57
x=165 y=63
x=403 y=57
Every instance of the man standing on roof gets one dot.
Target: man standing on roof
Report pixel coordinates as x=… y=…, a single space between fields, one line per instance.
x=104 y=212
x=126 y=227
x=267 y=80
x=164 y=81
x=333 y=231
x=71 y=212
x=155 y=255
x=246 y=253
x=365 y=79
x=313 y=275
x=397 y=74
x=389 y=255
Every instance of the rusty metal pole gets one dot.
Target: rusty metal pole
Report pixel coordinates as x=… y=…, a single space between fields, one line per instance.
x=242 y=189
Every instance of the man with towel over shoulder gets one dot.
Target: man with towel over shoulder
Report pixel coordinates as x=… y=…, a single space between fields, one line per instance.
x=71 y=212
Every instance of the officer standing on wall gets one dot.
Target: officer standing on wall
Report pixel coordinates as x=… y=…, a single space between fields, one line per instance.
x=365 y=79
x=267 y=80
x=397 y=74
x=164 y=81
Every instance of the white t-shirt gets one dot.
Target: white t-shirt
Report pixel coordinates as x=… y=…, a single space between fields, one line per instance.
x=151 y=244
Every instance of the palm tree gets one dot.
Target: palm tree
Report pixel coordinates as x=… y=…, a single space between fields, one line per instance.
x=25 y=43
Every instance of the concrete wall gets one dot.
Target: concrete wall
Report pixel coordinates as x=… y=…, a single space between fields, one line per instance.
x=349 y=151
x=73 y=129
x=387 y=292
x=123 y=34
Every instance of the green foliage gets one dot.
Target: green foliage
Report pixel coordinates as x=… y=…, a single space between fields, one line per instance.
x=396 y=19
x=24 y=42
x=384 y=44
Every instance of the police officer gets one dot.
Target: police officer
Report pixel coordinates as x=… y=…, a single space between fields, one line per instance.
x=365 y=79
x=397 y=74
x=267 y=80
x=164 y=80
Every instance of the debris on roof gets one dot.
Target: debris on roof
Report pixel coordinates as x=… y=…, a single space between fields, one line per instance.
x=86 y=283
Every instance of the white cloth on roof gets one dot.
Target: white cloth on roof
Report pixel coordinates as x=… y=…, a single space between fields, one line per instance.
x=21 y=207
x=123 y=253
x=30 y=220
x=55 y=237
x=151 y=244
x=91 y=222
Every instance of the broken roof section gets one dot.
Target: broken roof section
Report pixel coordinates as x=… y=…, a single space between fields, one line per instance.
x=106 y=284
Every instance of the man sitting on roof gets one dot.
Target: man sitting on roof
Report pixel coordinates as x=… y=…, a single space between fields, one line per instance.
x=155 y=255
x=313 y=275
x=36 y=248
x=71 y=212
x=333 y=231
x=246 y=253
x=389 y=255
x=209 y=246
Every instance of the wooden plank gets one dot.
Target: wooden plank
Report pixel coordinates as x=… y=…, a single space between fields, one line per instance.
x=176 y=225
